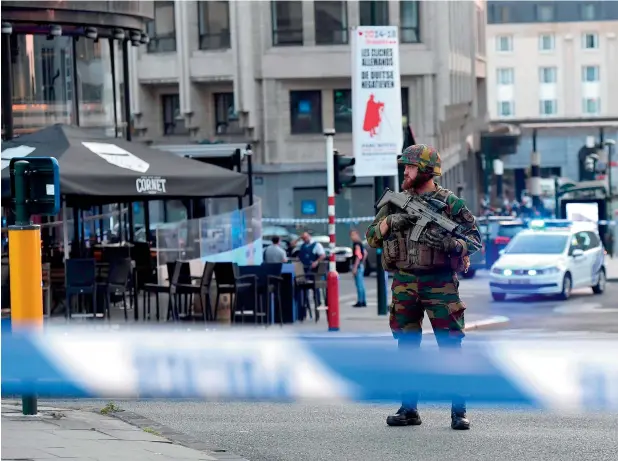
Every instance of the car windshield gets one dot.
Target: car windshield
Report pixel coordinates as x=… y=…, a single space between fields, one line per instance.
x=537 y=244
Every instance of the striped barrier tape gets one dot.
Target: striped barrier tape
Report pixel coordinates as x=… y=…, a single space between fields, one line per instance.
x=240 y=365
x=289 y=221
x=354 y=220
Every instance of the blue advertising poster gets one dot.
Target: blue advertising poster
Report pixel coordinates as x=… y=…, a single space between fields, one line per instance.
x=308 y=207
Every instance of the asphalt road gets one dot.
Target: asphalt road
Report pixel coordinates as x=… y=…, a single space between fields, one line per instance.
x=354 y=432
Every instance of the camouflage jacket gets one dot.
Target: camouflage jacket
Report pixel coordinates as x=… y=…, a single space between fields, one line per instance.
x=456 y=210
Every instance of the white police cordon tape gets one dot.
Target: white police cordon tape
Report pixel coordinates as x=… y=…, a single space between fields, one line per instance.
x=248 y=365
x=354 y=220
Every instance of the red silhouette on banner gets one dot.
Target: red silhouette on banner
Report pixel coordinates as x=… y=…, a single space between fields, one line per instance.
x=373 y=116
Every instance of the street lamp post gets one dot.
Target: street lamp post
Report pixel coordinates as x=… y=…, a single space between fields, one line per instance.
x=610 y=143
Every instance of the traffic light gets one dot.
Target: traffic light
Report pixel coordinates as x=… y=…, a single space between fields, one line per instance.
x=344 y=171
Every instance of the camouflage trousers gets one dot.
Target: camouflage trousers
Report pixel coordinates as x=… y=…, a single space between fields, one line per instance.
x=435 y=294
x=438 y=296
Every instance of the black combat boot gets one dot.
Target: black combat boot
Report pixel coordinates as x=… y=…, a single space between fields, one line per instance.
x=404 y=417
x=459 y=420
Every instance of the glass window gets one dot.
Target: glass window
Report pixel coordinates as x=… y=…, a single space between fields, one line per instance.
x=226 y=118
x=342 y=106
x=537 y=244
x=506 y=108
x=405 y=104
x=591 y=106
x=287 y=23
x=588 y=12
x=595 y=241
x=502 y=14
x=548 y=75
x=505 y=76
x=214 y=25
x=331 y=23
x=590 y=74
x=548 y=107
x=374 y=13
x=544 y=13
x=172 y=123
x=94 y=84
x=504 y=43
x=162 y=30
x=590 y=41
x=306 y=111
x=43 y=81
x=410 y=23
x=580 y=241
x=546 y=42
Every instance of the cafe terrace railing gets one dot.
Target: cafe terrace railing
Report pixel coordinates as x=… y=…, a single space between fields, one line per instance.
x=235 y=236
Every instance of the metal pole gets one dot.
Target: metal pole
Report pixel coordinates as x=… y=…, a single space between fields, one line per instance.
x=332 y=280
x=378 y=188
x=125 y=87
x=250 y=172
x=26 y=269
x=7 y=88
x=556 y=197
x=535 y=174
x=76 y=85
x=499 y=172
x=112 y=55
x=611 y=144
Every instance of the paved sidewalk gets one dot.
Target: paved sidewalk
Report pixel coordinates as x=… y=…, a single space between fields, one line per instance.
x=58 y=433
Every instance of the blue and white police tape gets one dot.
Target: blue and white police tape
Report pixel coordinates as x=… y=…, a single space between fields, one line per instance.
x=357 y=219
x=293 y=221
x=249 y=365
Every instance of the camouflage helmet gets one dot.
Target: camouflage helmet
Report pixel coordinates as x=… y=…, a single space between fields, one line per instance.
x=427 y=159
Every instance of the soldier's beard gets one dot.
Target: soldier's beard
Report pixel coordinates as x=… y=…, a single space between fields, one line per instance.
x=419 y=180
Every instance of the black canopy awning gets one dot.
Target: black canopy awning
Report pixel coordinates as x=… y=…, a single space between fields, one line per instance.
x=97 y=169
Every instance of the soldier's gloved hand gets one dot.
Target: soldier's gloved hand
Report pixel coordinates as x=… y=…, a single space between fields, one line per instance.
x=446 y=243
x=401 y=221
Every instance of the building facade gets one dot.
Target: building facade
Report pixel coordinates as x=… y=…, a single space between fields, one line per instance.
x=63 y=62
x=552 y=67
x=217 y=75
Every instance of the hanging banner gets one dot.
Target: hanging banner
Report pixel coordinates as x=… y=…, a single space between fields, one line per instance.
x=376 y=100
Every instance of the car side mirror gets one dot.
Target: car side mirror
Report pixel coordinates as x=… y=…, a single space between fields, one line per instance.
x=577 y=253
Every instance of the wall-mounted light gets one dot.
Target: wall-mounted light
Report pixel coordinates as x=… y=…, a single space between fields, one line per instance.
x=91 y=32
x=7 y=28
x=145 y=39
x=136 y=38
x=55 y=31
x=118 y=34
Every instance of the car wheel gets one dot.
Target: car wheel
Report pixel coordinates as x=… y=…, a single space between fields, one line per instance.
x=599 y=288
x=567 y=286
x=498 y=296
x=469 y=275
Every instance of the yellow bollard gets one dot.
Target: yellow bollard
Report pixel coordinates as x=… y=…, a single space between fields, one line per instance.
x=26 y=287
x=26 y=277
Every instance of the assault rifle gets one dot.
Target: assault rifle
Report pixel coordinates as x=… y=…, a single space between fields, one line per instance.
x=426 y=211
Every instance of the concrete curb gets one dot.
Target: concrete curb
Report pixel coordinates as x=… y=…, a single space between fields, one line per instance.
x=177 y=437
x=142 y=422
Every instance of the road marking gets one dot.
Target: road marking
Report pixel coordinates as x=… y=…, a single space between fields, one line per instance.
x=585 y=308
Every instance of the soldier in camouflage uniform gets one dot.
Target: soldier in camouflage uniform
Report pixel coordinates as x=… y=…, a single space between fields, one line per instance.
x=425 y=272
